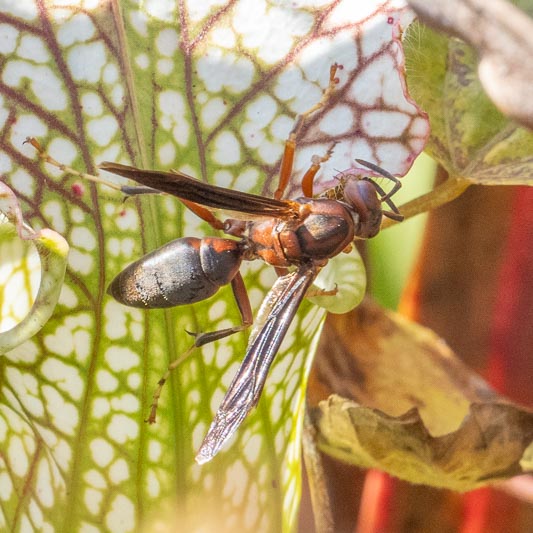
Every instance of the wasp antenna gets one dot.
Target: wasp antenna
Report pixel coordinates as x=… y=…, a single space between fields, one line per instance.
x=378 y=169
x=382 y=172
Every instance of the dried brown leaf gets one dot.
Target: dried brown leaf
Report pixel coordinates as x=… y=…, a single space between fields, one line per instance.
x=410 y=407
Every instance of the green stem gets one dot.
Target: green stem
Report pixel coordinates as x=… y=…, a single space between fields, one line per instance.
x=442 y=194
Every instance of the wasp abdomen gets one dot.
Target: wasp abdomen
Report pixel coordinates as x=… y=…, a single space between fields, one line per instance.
x=183 y=271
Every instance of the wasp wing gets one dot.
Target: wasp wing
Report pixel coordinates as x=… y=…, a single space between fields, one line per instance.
x=187 y=188
x=275 y=316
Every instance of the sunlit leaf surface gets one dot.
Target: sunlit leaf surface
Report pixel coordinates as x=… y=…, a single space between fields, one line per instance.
x=211 y=89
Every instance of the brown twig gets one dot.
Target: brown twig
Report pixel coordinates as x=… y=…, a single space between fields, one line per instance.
x=317 y=479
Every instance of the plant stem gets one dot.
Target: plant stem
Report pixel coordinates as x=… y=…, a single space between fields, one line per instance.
x=442 y=194
x=316 y=477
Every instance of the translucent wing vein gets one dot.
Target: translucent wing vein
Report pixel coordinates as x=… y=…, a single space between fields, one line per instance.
x=278 y=308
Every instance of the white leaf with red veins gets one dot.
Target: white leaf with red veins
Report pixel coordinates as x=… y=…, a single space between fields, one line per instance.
x=212 y=89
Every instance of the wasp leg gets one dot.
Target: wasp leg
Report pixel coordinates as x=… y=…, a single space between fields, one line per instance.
x=394 y=214
x=315 y=291
x=157 y=393
x=245 y=309
x=200 y=339
x=204 y=214
x=285 y=169
x=397 y=183
x=65 y=168
x=287 y=160
x=333 y=81
x=128 y=190
x=309 y=176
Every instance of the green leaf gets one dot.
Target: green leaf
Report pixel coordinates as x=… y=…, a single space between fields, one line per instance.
x=469 y=136
x=19 y=268
x=345 y=275
x=212 y=90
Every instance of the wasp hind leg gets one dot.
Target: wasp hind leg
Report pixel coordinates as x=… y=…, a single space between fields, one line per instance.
x=43 y=154
x=127 y=190
x=201 y=339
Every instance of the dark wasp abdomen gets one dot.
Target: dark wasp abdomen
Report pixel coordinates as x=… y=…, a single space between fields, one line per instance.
x=183 y=271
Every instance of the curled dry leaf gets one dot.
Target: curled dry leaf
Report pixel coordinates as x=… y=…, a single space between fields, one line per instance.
x=52 y=249
x=408 y=406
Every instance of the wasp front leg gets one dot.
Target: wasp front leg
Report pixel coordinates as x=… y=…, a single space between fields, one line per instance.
x=287 y=159
x=309 y=176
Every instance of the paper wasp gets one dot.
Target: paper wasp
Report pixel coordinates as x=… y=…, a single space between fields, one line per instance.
x=297 y=237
